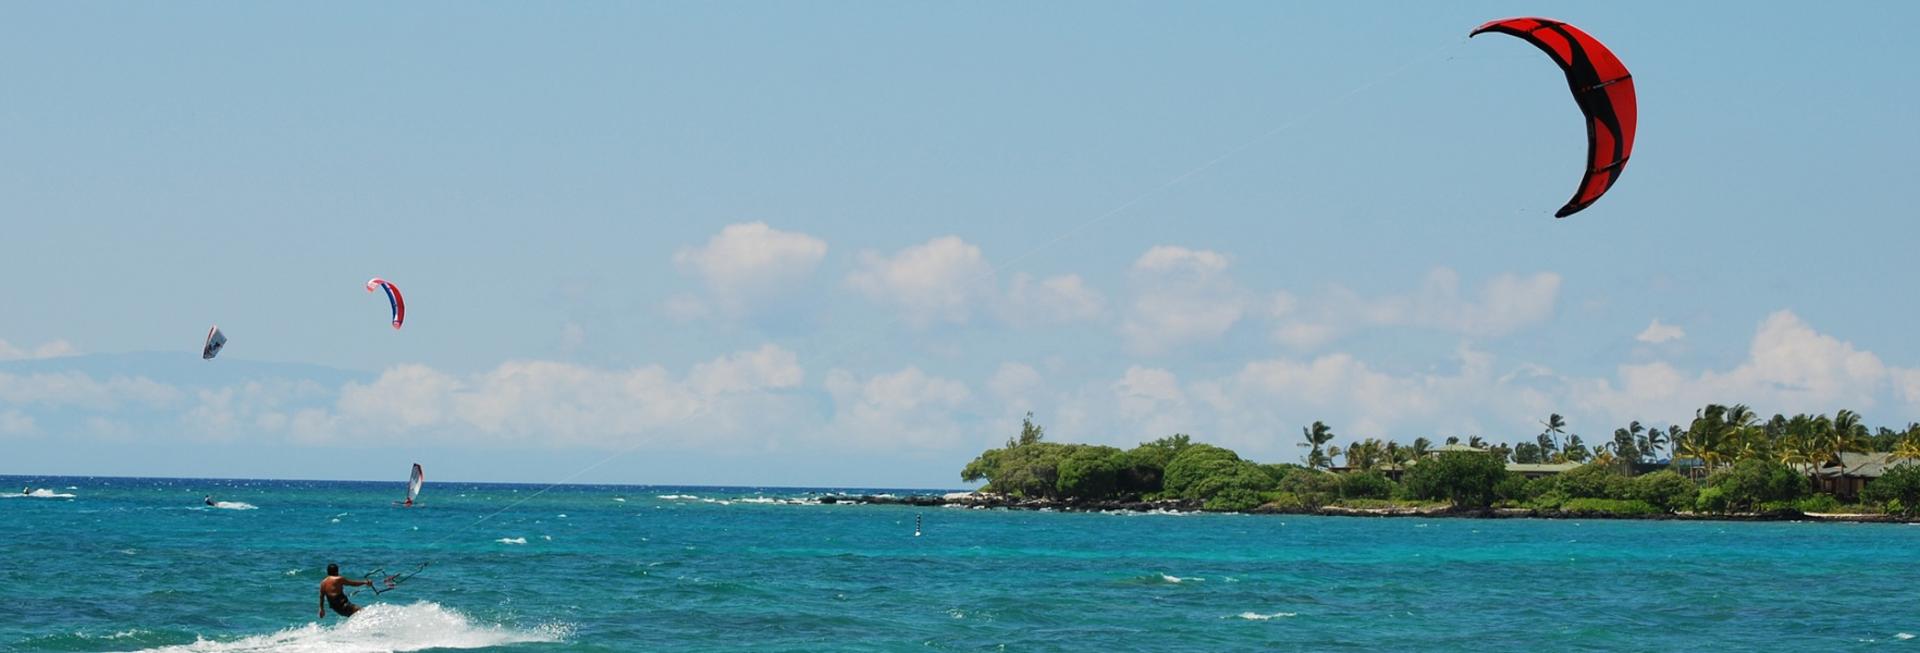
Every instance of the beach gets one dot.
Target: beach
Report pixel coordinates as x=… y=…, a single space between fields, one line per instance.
x=141 y=564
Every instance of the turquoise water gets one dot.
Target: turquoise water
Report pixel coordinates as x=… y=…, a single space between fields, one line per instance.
x=139 y=564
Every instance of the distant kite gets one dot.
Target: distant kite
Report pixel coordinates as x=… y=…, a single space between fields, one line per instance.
x=1601 y=86
x=215 y=341
x=393 y=298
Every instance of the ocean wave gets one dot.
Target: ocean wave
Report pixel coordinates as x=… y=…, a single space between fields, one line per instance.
x=235 y=505
x=1255 y=616
x=1903 y=636
x=384 y=627
x=677 y=497
x=1165 y=579
x=41 y=493
x=512 y=540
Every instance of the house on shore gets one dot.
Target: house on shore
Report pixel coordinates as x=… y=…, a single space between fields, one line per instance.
x=1539 y=470
x=1846 y=479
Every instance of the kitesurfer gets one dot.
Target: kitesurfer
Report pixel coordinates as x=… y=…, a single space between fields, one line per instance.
x=333 y=592
x=208 y=499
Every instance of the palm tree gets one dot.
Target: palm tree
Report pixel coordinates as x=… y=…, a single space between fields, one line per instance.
x=1556 y=426
x=1576 y=451
x=1849 y=433
x=1317 y=437
x=1476 y=442
x=1421 y=447
x=1908 y=446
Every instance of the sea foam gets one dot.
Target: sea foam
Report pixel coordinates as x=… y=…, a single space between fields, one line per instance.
x=41 y=493
x=235 y=505
x=1255 y=616
x=384 y=627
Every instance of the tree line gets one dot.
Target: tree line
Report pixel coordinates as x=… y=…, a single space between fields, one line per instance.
x=1729 y=461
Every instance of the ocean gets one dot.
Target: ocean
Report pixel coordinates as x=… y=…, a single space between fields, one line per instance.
x=99 y=564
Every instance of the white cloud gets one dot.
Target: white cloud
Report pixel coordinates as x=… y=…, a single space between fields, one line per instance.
x=1657 y=333
x=1055 y=300
x=54 y=349
x=908 y=409
x=81 y=390
x=768 y=367
x=948 y=280
x=1181 y=296
x=16 y=423
x=738 y=400
x=942 y=280
x=1506 y=303
x=1790 y=368
x=745 y=264
x=1014 y=382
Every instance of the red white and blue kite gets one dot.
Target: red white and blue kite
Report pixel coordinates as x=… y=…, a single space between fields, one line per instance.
x=393 y=297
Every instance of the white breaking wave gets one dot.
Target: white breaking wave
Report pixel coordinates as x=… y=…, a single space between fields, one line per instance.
x=1903 y=636
x=677 y=497
x=1255 y=616
x=1177 y=579
x=235 y=505
x=512 y=540
x=41 y=493
x=383 y=627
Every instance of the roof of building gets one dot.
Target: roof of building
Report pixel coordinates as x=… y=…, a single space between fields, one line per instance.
x=1861 y=465
x=1542 y=468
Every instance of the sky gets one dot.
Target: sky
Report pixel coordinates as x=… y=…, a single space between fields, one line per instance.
x=851 y=244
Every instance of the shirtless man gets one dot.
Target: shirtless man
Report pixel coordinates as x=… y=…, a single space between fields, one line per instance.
x=333 y=592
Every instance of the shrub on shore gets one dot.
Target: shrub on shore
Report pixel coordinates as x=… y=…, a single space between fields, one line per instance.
x=1666 y=490
x=1897 y=491
x=1750 y=484
x=1610 y=507
x=1366 y=485
x=1465 y=479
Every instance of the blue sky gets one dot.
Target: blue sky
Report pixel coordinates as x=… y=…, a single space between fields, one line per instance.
x=851 y=243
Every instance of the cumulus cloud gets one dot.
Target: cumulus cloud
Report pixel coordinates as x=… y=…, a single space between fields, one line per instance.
x=1180 y=296
x=80 y=390
x=15 y=423
x=948 y=280
x=941 y=280
x=908 y=409
x=53 y=349
x=1505 y=303
x=1789 y=368
x=1055 y=300
x=743 y=265
x=1657 y=333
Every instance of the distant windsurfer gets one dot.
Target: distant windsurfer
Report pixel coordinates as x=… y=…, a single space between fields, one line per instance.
x=26 y=489
x=333 y=592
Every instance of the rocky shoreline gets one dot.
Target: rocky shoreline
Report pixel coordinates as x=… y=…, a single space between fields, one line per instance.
x=1001 y=502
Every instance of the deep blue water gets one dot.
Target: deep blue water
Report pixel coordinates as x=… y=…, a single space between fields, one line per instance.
x=139 y=564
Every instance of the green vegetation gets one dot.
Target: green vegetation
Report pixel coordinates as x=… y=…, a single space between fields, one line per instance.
x=1727 y=461
x=1897 y=492
x=1466 y=479
x=1610 y=507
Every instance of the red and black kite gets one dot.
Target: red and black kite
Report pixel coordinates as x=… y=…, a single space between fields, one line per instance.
x=1601 y=86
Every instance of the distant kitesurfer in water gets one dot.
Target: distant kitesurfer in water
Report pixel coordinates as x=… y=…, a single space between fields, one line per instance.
x=208 y=499
x=333 y=592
